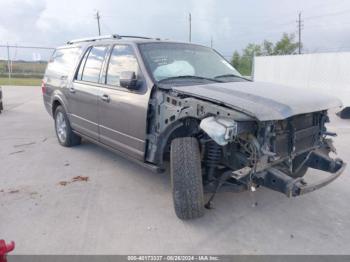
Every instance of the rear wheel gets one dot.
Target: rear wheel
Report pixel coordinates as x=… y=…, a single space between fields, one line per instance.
x=1 y=105
x=186 y=178
x=65 y=135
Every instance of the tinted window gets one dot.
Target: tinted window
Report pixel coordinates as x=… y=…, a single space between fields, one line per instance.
x=92 y=69
x=122 y=59
x=63 y=61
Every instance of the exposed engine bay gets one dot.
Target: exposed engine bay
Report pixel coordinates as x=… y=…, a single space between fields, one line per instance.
x=240 y=152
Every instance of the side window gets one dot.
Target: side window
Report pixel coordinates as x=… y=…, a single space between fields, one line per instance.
x=93 y=64
x=63 y=61
x=122 y=59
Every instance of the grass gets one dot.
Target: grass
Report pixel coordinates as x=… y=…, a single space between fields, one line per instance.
x=22 y=67
x=24 y=73
x=20 y=81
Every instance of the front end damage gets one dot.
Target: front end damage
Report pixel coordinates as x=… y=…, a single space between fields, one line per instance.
x=238 y=151
x=273 y=155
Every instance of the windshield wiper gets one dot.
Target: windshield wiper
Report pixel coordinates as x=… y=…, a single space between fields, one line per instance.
x=190 y=77
x=230 y=75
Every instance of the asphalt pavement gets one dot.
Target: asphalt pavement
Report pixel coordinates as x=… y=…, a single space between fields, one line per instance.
x=87 y=200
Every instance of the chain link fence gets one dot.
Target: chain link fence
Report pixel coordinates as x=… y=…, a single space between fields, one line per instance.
x=23 y=65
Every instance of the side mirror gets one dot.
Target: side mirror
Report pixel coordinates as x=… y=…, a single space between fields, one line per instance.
x=128 y=80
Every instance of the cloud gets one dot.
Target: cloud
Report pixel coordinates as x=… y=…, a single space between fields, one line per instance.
x=19 y=18
x=232 y=24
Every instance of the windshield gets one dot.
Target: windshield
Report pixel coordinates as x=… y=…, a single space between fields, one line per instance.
x=186 y=62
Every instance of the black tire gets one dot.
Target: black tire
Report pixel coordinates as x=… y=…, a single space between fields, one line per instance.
x=345 y=113
x=1 y=105
x=186 y=178
x=296 y=163
x=71 y=139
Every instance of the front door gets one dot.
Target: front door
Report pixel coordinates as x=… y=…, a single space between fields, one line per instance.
x=122 y=112
x=84 y=91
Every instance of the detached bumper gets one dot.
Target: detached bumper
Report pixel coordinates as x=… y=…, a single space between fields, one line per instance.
x=277 y=180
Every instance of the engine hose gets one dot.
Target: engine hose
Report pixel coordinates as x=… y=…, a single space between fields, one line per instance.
x=212 y=159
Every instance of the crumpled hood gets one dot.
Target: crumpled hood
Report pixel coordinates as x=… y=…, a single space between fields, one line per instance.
x=264 y=101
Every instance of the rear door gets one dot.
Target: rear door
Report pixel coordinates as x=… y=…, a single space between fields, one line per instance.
x=84 y=90
x=123 y=112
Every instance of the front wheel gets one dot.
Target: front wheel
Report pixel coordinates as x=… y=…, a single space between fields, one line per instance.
x=65 y=135
x=186 y=178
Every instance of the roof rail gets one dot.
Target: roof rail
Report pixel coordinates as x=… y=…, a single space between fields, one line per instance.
x=114 y=36
x=93 y=39
x=135 y=36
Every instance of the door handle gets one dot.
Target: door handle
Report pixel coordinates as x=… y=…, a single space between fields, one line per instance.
x=72 y=90
x=105 y=98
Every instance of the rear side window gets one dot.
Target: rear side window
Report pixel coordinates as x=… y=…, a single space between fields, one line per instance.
x=122 y=59
x=93 y=64
x=63 y=61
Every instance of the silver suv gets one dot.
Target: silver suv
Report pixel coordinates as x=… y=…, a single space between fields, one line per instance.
x=156 y=101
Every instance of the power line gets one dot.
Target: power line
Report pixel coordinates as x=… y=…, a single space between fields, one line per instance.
x=107 y=27
x=28 y=47
x=327 y=14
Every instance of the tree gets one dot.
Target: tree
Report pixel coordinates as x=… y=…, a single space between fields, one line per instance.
x=251 y=50
x=286 y=46
x=243 y=63
x=236 y=58
x=267 y=48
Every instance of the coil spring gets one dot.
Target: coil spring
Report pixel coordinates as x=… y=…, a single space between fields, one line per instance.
x=213 y=157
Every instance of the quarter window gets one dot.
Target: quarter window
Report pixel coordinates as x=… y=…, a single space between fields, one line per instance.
x=122 y=59
x=93 y=64
x=63 y=61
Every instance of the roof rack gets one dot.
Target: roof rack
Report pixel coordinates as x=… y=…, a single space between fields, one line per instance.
x=134 y=36
x=114 y=36
x=88 y=39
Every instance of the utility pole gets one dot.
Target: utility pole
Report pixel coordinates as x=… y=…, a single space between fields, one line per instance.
x=190 y=29
x=300 y=25
x=211 y=42
x=98 y=22
x=8 y=62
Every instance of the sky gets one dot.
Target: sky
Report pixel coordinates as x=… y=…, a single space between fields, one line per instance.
x=232 y=24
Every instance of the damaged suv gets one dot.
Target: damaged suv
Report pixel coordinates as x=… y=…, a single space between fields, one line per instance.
x=158 y=101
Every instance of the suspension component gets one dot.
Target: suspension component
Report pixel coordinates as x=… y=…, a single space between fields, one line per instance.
x=212 y=159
